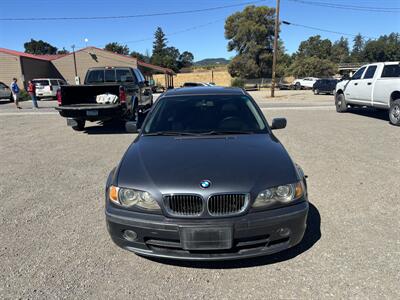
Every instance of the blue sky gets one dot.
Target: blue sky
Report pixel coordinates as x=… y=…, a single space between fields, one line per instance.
x=204 y=42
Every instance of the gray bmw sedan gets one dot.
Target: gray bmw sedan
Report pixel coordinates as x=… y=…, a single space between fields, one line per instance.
x=206 y=179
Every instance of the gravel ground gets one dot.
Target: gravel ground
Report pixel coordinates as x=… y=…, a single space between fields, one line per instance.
x=54 y=243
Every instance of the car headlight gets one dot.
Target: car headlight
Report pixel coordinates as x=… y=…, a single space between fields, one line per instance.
x=131 y=197
x=281 y=194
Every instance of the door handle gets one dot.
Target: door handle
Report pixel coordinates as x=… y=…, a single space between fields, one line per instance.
x=355 y=83
x=369 y=83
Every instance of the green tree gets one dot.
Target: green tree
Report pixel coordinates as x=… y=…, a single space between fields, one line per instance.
x=117 y=48
x=385 y=48
x=140 y=56
x=159 y=45
x=340 y=51
x=315 y=46
x=358 y=48
x=39 y=47
x=251 y=34
x=312 y=66
x=185 y=59
x=63 y=51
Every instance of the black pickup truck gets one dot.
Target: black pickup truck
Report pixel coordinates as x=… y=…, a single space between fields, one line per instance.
x=78 y=103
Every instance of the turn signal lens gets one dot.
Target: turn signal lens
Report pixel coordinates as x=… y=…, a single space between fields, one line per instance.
x=113 y=193
x=299 y=190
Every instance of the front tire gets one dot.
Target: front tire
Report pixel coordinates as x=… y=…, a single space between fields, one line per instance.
x=316 y=92
x=80 y=125
x=394 y=112
x=340 y=103
x=297 y=86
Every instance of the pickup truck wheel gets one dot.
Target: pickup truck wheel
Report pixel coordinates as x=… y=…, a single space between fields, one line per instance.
x=394 y=112
x=340 y=103
x=297 y=86
x=80 y=126
x=316 y=92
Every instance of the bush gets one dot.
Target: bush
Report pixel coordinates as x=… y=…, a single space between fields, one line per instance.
x=24 y=96
x=237 y=82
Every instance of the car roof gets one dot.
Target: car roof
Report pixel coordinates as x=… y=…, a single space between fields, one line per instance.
x=205 y=90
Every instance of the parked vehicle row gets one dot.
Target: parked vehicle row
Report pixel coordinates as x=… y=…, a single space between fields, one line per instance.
x=374 y=85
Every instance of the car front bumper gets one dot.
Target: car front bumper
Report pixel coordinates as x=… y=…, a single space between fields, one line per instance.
x=253 y=234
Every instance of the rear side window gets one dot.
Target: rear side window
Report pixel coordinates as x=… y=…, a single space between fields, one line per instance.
x=358 y=74
x=370 y=72
x=95 y=76
x=54 y=82
x=124 y=75
x=391 y=71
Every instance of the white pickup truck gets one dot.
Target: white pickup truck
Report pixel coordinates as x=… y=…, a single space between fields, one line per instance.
x=374 y=85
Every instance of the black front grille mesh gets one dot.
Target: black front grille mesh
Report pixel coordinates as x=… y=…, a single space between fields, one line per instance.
x=227 y=204
x=184 y=205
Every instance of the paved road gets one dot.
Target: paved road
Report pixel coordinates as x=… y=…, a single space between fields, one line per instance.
x=54 y=242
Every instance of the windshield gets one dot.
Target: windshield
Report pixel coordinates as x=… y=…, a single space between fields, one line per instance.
x=205 y=114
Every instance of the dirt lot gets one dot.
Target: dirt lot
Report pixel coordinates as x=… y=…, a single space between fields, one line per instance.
x=54 y=243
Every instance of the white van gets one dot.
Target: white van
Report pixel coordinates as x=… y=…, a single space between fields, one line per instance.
x=47 y=87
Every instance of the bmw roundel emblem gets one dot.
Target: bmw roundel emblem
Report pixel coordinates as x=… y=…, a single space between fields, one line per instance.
x=205 y=184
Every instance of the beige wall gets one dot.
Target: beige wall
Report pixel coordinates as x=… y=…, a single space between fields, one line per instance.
x=90 y=58
x=10 y=67
x=221 y=78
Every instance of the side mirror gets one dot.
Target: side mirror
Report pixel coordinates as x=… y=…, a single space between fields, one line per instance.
x=146 y=83
x=131 y=127
x=278 y=123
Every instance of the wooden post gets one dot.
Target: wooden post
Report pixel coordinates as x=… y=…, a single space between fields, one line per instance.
x=275 y=48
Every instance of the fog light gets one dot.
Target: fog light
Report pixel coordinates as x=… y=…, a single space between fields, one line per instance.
x=129 y=235
x=284 y=232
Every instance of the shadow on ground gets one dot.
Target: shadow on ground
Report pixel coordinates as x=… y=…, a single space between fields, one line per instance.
x=311 y=236
x=379 y=114
x=112 y=127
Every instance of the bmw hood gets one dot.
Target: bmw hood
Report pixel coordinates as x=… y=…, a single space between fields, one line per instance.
x=240 y=163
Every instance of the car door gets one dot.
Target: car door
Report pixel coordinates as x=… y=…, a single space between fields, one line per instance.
x=366 y=84
x=145 y=92
x=3 y=91
x=352 y=90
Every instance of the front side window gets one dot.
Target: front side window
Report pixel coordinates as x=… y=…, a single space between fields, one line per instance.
x=54 y=82
x=358 y=74
x=391 y=71
x=370 y=72
x=205 y=114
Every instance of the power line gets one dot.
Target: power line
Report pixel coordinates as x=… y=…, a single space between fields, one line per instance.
x=132 y=16
x=321 y=29
x=168 y=34
x=350 y=7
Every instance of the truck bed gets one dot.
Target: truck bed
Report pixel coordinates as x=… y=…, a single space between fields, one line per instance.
x=84 y=95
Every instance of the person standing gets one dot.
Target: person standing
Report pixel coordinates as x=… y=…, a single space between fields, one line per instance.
x=32 y=93
x=15 y=92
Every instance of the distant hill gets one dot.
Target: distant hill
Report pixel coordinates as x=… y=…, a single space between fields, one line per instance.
x=212 y=61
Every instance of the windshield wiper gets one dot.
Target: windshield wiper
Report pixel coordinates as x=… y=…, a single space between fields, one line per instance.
x=169 y=133
x=222 y=132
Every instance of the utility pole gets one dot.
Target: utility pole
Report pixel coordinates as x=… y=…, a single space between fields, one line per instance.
x=73 y=53
x=275 y=48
